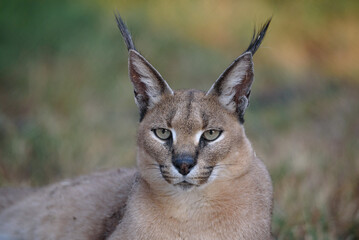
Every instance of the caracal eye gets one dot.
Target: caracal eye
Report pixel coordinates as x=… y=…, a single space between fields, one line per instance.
x=211 y=135
x=162 y=133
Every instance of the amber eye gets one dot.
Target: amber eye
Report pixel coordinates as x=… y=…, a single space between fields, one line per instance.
x=211 y=135
x=162 y=133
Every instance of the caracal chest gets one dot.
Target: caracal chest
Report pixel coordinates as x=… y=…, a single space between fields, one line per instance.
x=185 y=217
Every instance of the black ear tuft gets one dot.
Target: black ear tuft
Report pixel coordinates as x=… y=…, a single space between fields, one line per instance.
x=233 y=87
x=125 y=33
x=258 y=37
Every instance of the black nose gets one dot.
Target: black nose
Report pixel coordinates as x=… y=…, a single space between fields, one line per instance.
x=184 y=164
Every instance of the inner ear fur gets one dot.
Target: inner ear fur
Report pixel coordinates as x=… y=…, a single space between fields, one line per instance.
x=233 y=86
x=149 y=86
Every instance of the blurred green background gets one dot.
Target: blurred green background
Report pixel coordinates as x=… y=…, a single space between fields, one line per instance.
x=67 y=108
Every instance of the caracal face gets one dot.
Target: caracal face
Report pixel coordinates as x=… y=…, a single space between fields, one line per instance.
x=185 y=139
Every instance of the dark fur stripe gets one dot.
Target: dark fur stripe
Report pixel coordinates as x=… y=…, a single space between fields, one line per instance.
x=125 y=33
x=189 y=104
x=258 y=37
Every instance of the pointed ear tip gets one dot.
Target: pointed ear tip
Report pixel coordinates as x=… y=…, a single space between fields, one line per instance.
x=132 y=52
x=248 y=55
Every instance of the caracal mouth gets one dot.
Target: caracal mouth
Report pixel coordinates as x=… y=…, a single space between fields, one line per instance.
x=185 y=185
x=193 y=179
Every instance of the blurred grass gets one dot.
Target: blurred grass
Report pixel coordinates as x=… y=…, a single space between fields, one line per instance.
x=66 y=104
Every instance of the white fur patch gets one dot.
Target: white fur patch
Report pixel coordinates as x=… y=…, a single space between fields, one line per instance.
x=180 y=178
x=174 y=172
x=152 y=88
x=197 y=137
x=193 y=173
x=233 y=79
x=174 y=135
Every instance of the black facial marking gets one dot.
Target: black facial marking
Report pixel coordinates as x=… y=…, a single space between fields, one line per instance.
x=189 y=104
x=166 y=174
x=142 y=113
x=196 y=154
x=204 y=120
x=169 y=143
x=202 y=143
x=163 y=169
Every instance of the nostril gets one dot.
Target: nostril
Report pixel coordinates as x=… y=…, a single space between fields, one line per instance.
x=184 y=164
x=183 y=168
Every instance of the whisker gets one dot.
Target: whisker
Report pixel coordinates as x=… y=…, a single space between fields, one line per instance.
x=152 y=168
x=199 y=178
x=226 y=164
x=169 y=177
x=152 y=164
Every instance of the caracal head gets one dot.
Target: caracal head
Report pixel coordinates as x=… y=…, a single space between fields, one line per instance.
x=188 y=139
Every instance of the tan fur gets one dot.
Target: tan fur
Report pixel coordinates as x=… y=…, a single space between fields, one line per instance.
x=235 y=205
x=225 y=194
x=9 y=196
x=88 y=207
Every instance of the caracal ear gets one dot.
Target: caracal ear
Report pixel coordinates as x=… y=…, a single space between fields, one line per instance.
x=149 y=86
x=233 y=87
